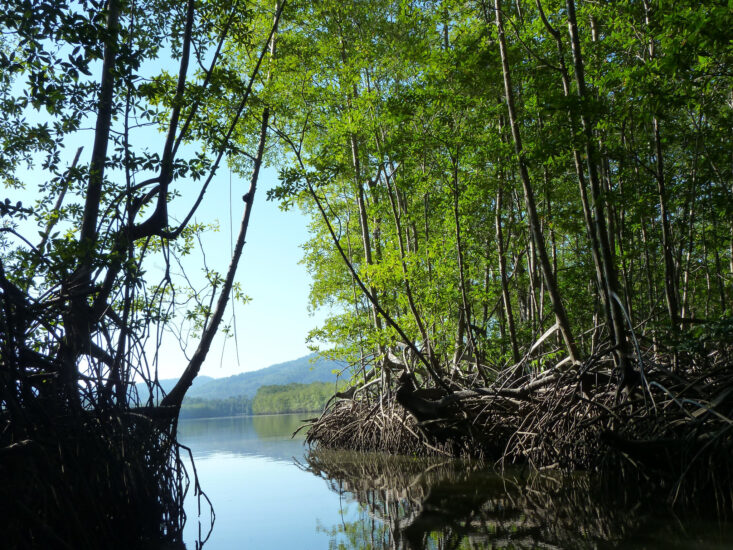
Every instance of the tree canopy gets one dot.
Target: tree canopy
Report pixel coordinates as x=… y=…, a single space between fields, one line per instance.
x=491 y=185
x=493 y=170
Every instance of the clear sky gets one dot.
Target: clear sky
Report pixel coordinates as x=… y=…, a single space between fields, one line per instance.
x=273 y=326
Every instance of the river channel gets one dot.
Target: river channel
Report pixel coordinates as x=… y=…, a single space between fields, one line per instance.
x=271 y=492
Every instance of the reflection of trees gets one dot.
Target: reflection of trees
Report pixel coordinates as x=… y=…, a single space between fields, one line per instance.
x=227 y=428
x=423 y=504
x=277 y=425
x=267 y=436
x=415 y=503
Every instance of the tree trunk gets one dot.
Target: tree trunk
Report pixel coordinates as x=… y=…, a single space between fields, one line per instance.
x=364 y=224
x=462 y=280
x=176 y=395
x=670 y=277
x=77 y=321
x=534 y=223
x=609 y=268
x=393 y=200
x=502 y=273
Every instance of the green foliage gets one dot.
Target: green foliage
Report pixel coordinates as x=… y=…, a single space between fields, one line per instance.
x=292 y=398
x=397 y=114
x=194 y=407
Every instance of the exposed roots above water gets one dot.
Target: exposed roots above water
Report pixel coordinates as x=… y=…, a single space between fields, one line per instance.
x=90 y=479
x=362 y=426
x=672 y=426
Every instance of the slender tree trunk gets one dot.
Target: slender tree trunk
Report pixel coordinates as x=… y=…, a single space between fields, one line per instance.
x=393 y=192
x=488 y=277
x=582 y=184
x=360 y=201
x=534 y=223
x=507 y=302
x=77 y=320
x=553 y=238
x=88 y=233
x=607 y=261
x=685 y=312
x=730 y=253
x=364 y=224
x=651 y=289
x=719 y=281
x=670 y=277
x=462 y=280
x=534 y=315
x=176 y=395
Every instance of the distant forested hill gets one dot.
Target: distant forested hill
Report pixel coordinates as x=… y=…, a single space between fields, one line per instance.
x=167 y=385
x=301 y=371
x=291 y=398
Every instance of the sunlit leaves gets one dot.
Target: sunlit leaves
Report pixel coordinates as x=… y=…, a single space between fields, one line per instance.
x=417 y=87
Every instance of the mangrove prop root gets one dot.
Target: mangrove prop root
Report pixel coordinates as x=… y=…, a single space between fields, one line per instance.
x=90 y=479
x=675 y=427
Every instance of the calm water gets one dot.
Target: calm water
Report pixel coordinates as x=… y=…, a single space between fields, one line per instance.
x=270 y=492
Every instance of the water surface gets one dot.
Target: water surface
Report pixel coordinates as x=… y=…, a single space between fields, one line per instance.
x=270 y=492
x=261 y=498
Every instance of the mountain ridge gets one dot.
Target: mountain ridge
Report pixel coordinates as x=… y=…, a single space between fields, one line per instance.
x=303 y=370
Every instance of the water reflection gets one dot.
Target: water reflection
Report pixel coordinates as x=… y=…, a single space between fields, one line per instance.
x=261 y=499
x=413 y=504
x=264 y=436
x=247 y=467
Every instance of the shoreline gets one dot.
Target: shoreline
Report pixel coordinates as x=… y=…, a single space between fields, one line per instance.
x=246 y=415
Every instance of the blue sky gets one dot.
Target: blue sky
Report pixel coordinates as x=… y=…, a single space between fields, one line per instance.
x=273 y=326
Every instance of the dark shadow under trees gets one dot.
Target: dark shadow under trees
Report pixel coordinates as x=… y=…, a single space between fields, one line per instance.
x=86 y=460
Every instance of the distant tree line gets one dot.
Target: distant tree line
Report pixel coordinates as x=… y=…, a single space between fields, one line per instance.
x=272 y=399
x=292 y=398
x=196 y=407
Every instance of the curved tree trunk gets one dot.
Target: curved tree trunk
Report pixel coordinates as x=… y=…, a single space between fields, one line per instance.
x=174 y=399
